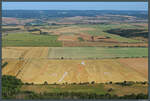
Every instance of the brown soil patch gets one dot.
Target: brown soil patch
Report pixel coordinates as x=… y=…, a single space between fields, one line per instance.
x=85 y=36
x=68 y=38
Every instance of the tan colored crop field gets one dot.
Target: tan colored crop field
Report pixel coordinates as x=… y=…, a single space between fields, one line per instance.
x=24 y=52
x=68 y=38
x=61 y=71
x=141 y=66
x=32 y=64
x=71 y=29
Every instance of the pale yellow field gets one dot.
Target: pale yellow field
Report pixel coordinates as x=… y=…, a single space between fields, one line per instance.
x=31 y=64
x=72 y=29
x=24 y=52
x=40 y=70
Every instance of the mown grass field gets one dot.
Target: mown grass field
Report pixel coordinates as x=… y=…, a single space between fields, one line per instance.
x=28 y=39
x=72 y=52
x=97 y=88
x=96 y=52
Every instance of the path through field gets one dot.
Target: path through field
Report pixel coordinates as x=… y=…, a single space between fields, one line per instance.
x=36 y=64
x=61 y=71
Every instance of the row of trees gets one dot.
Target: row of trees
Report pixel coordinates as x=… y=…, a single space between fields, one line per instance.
x=124 y=83
x=11 y=89
x=10 y=29
x=80 y=95
x=40 y=32
x=99 y=58
x=129 y=32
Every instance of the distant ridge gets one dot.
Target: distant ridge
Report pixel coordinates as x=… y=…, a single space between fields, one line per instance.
x=70 y=13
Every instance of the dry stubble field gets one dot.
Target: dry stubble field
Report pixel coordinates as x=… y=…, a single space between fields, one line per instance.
x=24 y=63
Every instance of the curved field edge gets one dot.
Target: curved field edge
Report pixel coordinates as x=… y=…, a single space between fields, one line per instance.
x=101 y=30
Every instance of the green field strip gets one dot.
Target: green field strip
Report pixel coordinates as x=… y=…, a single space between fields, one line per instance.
x=96 y=52
x=28 y=39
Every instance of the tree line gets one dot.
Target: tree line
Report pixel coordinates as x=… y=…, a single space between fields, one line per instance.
x=80 y=95
x=11 y=90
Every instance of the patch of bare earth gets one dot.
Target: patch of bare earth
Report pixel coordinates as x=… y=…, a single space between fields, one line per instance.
x=72 y=29
x=68 y=38
x=85 y=36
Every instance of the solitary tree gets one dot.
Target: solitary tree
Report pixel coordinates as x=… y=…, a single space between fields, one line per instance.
x=92 y=38
x=45 y=83
x=92 y=82
x=110 y=82
x=62 y=58
x=110 y=89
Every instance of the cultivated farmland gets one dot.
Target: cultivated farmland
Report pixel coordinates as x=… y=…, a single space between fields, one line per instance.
x=95 y=52
x=27 y=63
x=72 y=52
x=61 y=71
x=75 y=36
x=28 y=39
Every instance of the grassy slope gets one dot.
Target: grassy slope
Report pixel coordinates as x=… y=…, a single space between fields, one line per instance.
x=96 y=52
x=99 y=30
x=99 y=89
x=90 y=88
x=120 y=91
x=26 y=39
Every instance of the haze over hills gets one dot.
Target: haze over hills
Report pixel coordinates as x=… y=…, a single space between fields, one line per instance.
x=70 y=13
